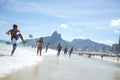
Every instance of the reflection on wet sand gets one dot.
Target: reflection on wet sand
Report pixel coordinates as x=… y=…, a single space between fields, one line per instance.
x=117 y=76
x=36 y=71
x=28 y=73
x=53 y=68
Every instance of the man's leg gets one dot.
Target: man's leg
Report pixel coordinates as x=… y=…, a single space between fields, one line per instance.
x=38 y=51
x=58 y=53
x=21 y=37
x=14 y=45
x=13 y=50
x=69 y=55
x=46 y=50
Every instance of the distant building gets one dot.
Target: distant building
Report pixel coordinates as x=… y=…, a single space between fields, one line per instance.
x=116 y=47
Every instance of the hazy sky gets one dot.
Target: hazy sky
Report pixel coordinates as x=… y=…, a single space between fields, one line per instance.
x=98 y=20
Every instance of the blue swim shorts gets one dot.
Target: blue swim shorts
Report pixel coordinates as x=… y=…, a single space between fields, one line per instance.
x=14 y=40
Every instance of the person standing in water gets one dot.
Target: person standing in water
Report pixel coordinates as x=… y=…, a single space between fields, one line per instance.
x=65 y=50
x=59 y=48
x=71 y=51
x=15 y=34
x=40 y=45
x=47 y=47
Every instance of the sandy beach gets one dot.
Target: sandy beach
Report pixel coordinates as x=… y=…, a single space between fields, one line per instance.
x=28 y=66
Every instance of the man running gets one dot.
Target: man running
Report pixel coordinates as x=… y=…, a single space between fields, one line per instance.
x=15 y=34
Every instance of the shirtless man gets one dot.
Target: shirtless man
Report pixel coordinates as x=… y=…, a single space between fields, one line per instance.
x=59 y=48
x=71 y=51
x=14 y=37
x=65 y=51
x=40 y=45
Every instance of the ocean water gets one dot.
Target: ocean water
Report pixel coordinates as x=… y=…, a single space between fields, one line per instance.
x=52 y=67
x=19 y=60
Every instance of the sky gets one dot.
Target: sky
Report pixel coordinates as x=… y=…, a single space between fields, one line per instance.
x=97 y=20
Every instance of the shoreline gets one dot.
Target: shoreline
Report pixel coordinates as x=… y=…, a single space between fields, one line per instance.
x=54 y=68
x=19 y=60
x=111 y=59
x=25 y=58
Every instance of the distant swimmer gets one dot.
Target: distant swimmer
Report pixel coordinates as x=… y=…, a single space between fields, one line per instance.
x=15 y=34
x=65 y=50
x=102 y=56
x=59 y=48
x=40 y=45
x=71 y=51
x=47 y=47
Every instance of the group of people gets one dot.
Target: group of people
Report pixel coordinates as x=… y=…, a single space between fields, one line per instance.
x=15 y=35
x=59 y=48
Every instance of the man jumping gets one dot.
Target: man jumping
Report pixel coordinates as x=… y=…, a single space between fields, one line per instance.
x=15 y=34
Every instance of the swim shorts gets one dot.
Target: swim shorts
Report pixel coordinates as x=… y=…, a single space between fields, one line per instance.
x=14 y=40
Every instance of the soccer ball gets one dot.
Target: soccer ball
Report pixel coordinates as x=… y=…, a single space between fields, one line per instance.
x=30 y=36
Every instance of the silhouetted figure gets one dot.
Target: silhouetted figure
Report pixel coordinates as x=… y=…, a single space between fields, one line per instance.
x=65 y=50
x=71 y=51
x=15 y=34
x=80 y=53
x=59 y=48
x=47 y=47
x=102 y=56
x=89 y=55
x=40 y=45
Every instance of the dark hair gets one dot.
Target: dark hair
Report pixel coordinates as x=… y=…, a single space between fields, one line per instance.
x=15 y=26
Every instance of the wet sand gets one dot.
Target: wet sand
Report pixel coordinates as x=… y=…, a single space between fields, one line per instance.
x=64 y=68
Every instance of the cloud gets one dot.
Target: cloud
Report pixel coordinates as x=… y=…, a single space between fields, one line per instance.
x=117 y=31
x=69 y=9
x=3 y=20
x=65 y=26
x=82 y=37
x=79 y=30
x=2 y=1
x=115 y=23
x=37 y=8
x=10 y=1
x=100 y=28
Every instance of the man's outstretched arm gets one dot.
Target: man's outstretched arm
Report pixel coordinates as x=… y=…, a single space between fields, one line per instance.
x=8 y=32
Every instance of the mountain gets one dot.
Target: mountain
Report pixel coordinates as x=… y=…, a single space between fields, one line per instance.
x=88 y=45
x=55 y=39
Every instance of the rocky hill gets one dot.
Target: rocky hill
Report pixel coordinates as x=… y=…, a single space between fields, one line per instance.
x=78 y=44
